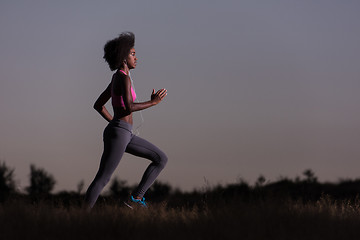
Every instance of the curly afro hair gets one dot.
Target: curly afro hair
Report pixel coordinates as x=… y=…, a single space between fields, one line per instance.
x=117 y=49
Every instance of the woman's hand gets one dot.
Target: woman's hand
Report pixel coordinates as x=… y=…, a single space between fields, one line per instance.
x=158 y=96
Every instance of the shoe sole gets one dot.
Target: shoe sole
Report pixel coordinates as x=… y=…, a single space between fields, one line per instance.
x=129 y=206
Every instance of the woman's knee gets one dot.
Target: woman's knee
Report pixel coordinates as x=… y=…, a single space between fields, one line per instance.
x=163 y=159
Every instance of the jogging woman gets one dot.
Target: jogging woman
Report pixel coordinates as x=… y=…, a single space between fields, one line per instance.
x=118 y=138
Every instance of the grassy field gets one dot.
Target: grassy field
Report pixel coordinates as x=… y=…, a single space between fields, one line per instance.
x=234 y=219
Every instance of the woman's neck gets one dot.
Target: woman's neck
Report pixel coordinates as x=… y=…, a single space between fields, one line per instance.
x=125 y=71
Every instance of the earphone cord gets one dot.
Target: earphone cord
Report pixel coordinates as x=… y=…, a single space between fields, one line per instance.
x=136 y=131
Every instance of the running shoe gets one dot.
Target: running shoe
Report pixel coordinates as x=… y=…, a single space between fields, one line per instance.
x=141 y=202
x=133 y=203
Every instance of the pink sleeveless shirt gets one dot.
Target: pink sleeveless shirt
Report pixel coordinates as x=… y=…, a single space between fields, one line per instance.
x=118 y=101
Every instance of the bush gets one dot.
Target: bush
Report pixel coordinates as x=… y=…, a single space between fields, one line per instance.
x=41 y=182
x=7 y=183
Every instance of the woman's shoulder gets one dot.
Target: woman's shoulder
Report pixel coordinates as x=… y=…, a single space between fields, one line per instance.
x=120 y=80
x=119 y=76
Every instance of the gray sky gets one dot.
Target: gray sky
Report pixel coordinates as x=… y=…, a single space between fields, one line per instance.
x=255 y=87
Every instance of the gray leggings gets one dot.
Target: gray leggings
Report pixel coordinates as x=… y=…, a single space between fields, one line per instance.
x=117 y=140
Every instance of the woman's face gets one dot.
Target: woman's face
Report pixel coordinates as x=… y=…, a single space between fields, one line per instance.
x=131 y=59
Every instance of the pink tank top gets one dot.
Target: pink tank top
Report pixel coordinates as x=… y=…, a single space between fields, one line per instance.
x=118 y=101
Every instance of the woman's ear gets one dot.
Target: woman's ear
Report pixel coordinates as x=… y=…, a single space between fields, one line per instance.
x=125 y=65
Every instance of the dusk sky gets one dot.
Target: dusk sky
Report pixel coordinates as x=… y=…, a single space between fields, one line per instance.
x=267 y=87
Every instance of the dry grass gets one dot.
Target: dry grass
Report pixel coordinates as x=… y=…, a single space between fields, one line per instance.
x=267 y=219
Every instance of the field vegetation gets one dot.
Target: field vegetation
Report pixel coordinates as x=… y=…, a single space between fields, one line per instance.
x=300 y=208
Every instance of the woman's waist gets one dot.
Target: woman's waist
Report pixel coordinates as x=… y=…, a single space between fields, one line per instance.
x=121 y=115
x=120 y=122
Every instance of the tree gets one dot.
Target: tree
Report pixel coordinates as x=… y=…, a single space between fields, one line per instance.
x=7 y=183
x=310 y=176
x=80 y=186
x=260 y=181
x=41 y=182
x=119 y=188
x=159 y=190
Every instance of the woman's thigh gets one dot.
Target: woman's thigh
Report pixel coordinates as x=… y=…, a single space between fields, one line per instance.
x=145 y=149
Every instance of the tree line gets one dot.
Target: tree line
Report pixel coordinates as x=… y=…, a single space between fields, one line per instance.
x=41 y=182
x=305 y=188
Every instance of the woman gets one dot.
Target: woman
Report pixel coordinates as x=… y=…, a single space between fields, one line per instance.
x=119 y=53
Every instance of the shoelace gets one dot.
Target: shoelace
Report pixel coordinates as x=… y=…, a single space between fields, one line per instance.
x=141 y=201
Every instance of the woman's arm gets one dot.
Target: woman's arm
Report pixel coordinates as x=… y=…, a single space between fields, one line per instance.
x=131 y=106
x=99 y=105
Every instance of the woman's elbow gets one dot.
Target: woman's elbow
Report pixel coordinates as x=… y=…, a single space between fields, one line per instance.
x=128 y=110
x=98 y=107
